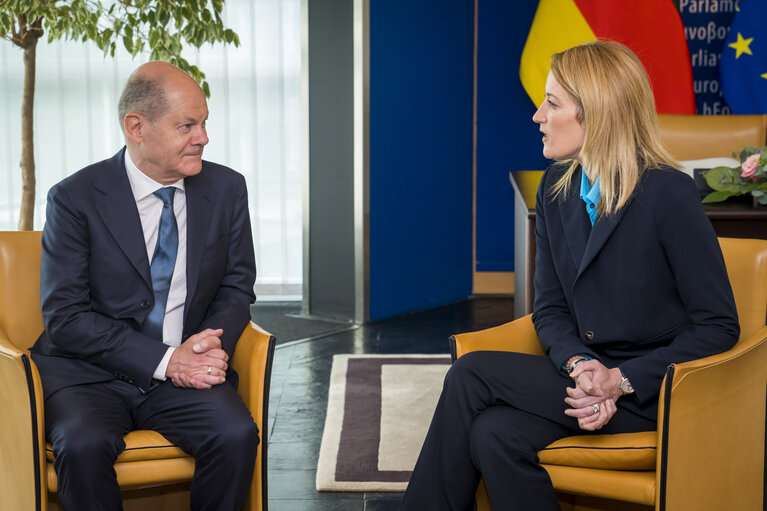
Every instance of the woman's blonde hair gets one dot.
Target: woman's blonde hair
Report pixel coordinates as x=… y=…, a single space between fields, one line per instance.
x=616 y=105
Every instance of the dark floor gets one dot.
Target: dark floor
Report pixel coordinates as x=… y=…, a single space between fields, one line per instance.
x=299 y=393
x=286 y=318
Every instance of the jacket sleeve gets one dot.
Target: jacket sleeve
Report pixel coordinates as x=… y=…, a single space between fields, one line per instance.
x=230 y=308
x=553 y=319
x=73 y=326
x=695 y=258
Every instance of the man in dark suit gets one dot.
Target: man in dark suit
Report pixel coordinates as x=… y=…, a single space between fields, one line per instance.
x=147 y=276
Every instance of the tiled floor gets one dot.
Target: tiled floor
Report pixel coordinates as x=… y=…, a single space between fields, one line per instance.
x=299 y=390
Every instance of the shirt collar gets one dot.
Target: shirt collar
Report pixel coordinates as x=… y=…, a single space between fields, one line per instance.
x=141 y=184
x=589 y=194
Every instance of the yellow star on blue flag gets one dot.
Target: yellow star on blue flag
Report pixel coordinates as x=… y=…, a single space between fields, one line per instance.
x=744 y=61
x=741 y=46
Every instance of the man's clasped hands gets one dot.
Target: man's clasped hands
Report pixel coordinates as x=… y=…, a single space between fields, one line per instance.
x=199 y=362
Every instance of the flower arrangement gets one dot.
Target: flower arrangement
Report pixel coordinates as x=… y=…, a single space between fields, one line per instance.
x=749 y=177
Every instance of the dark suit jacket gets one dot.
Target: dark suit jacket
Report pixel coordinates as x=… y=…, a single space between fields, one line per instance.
x=96 y=288
x=640 y=290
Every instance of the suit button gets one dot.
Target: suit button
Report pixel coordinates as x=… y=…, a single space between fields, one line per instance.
x=144 y=303
x=589 y=335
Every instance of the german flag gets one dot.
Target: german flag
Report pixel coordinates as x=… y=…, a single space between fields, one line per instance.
x=651 y=28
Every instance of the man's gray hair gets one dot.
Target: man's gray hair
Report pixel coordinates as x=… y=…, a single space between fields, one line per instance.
x=143 y=95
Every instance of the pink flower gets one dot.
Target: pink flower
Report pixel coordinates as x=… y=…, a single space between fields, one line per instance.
x=749 y=166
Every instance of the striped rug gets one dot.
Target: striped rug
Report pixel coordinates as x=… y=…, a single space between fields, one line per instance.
x=379 y=409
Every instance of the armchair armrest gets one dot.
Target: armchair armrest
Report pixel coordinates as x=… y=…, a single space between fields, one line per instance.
x=518 y=336
x=713 y=430
x=22 y=426
x=252 y=360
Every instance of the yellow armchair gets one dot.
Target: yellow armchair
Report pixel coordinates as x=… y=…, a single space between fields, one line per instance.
x=708 y=452
x=694 y=137
x=153 y=473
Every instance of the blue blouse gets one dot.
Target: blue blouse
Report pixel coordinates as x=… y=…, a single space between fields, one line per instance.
x=590 y=195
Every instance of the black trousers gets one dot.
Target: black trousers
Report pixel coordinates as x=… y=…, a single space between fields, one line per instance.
x=86 y=424
x=496 y=411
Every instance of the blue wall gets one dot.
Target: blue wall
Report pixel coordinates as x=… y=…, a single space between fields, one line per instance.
x=507 y=138
x=421 y=90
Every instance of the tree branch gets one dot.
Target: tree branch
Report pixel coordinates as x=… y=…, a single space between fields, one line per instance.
x=14 y=33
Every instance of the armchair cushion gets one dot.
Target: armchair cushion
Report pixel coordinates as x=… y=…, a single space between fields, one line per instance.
x=627 y=451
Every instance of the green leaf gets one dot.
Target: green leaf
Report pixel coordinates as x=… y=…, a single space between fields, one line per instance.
x=745 y=153
x=717 y=196
x=762 y=200
x=721 y=178
x=757 y=193
x=5 y=22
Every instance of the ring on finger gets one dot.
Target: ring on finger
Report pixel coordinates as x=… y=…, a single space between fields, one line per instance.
x=594 y=407
x=209 y=369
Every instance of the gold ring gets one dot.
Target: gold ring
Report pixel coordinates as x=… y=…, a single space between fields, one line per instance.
x=594 y=407
x=209 y=369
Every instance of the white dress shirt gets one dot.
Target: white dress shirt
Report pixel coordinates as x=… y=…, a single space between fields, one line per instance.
x=149 y=210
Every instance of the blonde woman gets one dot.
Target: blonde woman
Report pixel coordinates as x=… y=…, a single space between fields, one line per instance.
x=629 y=278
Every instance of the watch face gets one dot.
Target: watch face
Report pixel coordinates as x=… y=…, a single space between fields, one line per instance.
x=626 y=387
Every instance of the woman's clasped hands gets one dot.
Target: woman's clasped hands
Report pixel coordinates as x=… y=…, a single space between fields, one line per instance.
x=592 y=400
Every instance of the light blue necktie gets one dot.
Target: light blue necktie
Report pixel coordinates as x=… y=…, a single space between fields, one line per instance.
x=163 y=262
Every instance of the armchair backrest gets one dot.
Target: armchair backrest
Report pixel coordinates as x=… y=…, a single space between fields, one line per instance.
x=746 y=262
x=695 y=137
x=20 y=313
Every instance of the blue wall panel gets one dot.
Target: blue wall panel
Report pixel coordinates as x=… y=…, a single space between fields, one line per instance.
x=421 y=89
x=507 y=138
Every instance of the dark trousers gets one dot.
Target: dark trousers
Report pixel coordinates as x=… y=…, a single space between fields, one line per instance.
x=496 y=411
x=86 y=424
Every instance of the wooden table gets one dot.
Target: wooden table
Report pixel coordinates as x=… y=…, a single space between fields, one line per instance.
x=730 y=219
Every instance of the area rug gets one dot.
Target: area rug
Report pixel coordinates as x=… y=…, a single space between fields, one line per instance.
x=379 y=409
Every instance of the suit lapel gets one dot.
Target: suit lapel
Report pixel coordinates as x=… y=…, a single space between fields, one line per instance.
x=117 y=208
x=575 y=221
x=600 y=233
x=199 y=210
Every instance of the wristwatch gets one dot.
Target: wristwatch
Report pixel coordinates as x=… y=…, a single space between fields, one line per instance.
x=625 y=385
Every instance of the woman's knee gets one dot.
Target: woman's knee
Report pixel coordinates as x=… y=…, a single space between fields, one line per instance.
x=466 y=368
x=494 y=433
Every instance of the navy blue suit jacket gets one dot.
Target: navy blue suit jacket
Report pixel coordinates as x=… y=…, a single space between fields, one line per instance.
x=640 y=290
x=96 y=288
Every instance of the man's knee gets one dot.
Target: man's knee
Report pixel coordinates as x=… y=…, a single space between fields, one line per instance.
x=87 y=446
x=239 y=436
x=247 y=433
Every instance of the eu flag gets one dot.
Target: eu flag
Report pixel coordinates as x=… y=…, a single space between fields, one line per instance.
x=743 y=66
